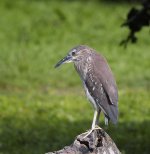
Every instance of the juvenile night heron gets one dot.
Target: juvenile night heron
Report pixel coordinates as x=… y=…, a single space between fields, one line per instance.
x=98 y=81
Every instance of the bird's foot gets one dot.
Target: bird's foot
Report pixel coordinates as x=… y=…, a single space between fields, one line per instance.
x=90 y=131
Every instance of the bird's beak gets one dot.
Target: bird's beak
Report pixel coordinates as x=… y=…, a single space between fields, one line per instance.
x=66 y=59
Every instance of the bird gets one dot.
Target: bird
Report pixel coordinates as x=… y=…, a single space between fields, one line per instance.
x=98 y=82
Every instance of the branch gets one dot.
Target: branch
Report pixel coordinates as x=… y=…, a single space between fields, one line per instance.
x=136 y=20
x=98 y=142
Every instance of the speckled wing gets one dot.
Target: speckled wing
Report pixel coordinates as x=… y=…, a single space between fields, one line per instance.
x=102 y=87
x=106 y=77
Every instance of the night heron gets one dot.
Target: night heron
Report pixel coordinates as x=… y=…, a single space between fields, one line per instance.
x=98 y=81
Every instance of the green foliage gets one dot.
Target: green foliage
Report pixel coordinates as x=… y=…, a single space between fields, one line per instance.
x=43 y=109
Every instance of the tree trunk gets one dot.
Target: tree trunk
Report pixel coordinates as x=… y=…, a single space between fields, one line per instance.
x=98 y=142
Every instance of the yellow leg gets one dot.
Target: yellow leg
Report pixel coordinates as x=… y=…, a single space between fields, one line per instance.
x=95 y=121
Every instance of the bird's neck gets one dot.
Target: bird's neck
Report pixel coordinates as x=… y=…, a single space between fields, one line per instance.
x=82 y=67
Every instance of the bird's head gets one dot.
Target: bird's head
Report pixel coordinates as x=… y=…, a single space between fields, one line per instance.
x=75 y=55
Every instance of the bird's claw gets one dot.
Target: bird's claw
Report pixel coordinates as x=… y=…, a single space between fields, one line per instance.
x=90 y=131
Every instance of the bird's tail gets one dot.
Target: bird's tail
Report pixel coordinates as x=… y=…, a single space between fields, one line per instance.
x=113 y=114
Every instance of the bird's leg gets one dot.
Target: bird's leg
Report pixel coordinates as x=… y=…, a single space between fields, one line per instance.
x=95 y=120
x=98 y=115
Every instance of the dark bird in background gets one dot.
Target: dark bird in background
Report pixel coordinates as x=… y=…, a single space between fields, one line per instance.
x=98 y=81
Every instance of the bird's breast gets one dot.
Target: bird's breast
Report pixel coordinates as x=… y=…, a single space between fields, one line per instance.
x=89 y=97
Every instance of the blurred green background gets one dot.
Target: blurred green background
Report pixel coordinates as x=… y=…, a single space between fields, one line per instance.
x=43 y=109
